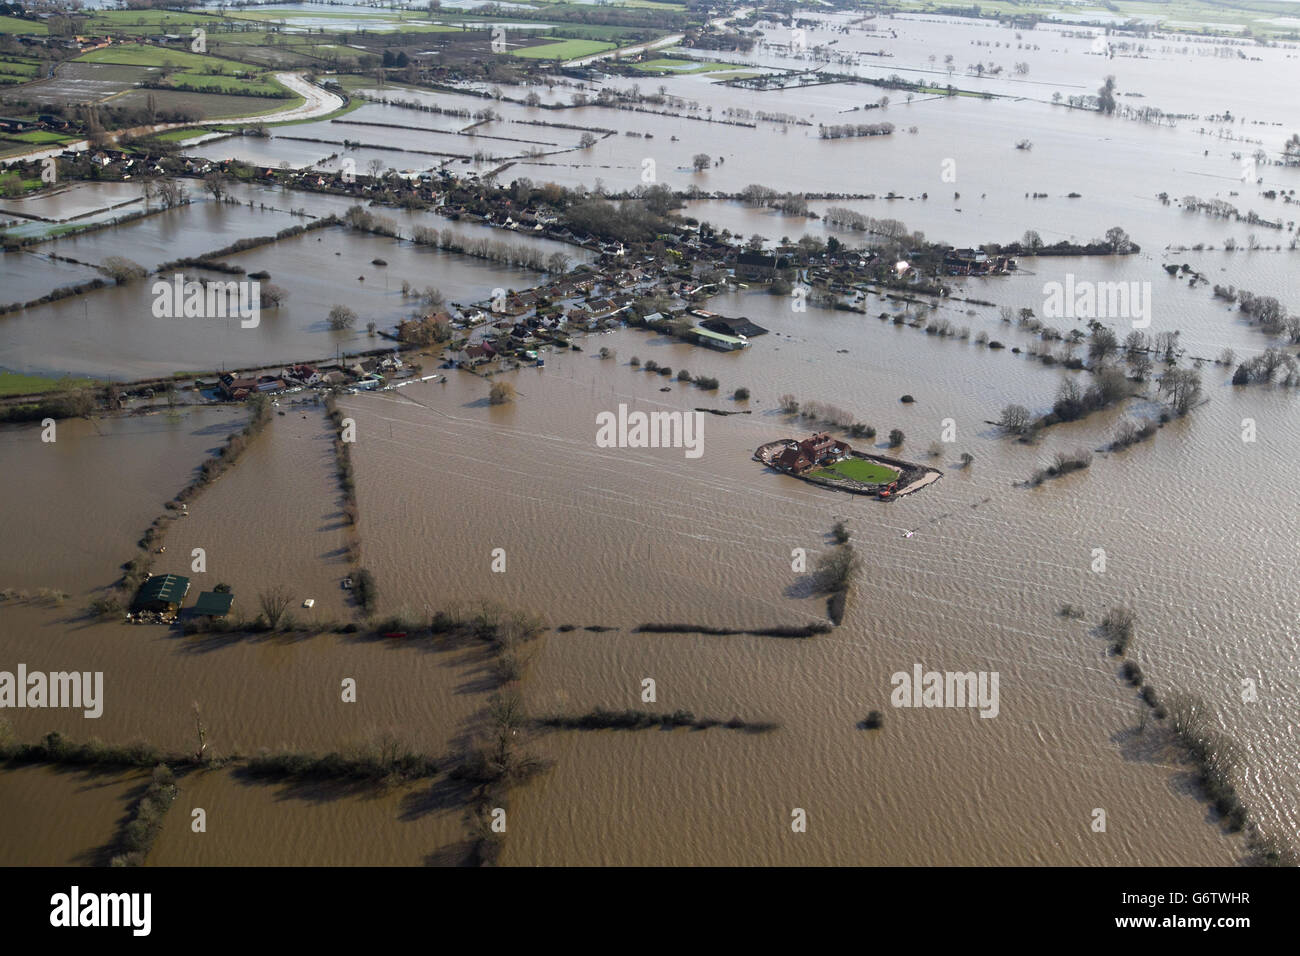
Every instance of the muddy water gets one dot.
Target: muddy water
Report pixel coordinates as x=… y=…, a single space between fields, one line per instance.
x=292 y=466
x=264 y=692
x=620 y=537
x=74 y=201
x=278 y=526
x=253 y=823
x=113 y=332
x=56 y=817
x=80 y=503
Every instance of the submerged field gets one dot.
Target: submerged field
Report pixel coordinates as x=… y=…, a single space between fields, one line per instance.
x=693 y=572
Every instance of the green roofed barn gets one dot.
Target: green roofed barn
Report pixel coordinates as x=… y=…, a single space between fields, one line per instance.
x=162 y=593
x=214 y=604
x=717 y=340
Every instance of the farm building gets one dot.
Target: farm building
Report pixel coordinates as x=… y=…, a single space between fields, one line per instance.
x=717 y=340
x=214 y=604
x=162 y=593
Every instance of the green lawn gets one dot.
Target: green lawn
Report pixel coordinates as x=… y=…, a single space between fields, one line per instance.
x=11 y=383
x=40 y=136
x=220 y=83
x=867 y=472
x=176 y=135
x=563 y=50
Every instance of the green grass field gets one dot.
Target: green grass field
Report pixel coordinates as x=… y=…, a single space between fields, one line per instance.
x=39 y=137
x=136 y=22
x=177 y=135
x=16 y=27
x=11 y=383
x=410 y=21
x=219 y=83
x=867 y=472
x=135 y=54
x=563 y=50
x=18 y=66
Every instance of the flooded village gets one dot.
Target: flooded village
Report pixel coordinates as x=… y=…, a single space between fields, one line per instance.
x=537 y=434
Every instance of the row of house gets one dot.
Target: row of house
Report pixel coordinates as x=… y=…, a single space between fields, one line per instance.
x=365 y=371
x=237 y=389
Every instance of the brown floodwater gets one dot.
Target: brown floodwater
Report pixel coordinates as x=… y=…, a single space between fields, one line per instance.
x=619 y=537
x=253 y=823
x=1196 y=524
x=63 y=817
x=78 y=504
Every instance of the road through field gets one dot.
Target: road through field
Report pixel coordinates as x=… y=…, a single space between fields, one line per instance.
x=317 y=102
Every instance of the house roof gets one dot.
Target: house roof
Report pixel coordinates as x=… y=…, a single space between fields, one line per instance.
x=215 y=603
x=169 y=588
x=704 y=333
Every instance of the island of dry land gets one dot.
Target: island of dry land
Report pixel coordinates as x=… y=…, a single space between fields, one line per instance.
x=823 y=460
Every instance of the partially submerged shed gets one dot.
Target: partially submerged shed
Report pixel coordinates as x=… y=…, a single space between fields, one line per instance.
x=162 y=593
x=214 y=604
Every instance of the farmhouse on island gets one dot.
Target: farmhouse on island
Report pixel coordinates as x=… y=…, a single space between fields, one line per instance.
x=802 y=457
x=161 y=594
x=831 y=463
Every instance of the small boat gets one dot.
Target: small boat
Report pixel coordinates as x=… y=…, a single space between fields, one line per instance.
x=310 y=602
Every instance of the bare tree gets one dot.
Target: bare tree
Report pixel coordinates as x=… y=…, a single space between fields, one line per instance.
x=271 y=296
x=274 y=603
x=1183 y=386
x=1015 y=419
x=341 y=317
x=215 y=183
x=171 y=193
